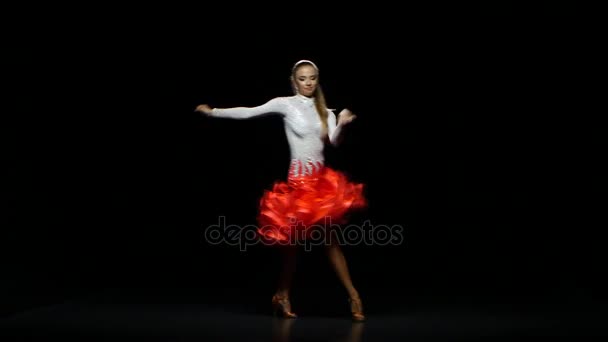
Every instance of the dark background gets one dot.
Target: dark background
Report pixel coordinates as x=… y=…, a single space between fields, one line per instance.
x=478 y=137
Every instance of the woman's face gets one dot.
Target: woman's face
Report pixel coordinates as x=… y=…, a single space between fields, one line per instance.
x=306 y=80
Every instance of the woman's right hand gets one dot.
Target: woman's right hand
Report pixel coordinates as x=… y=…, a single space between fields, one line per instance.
x=203 y=108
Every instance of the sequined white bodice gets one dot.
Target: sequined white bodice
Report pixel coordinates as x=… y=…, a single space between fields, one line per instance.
x=302 y=128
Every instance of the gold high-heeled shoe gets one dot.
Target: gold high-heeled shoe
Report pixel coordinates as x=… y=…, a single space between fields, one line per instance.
x=356 y=309
x=282 y=307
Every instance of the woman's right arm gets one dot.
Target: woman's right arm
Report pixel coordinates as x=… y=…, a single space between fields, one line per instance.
x=275 y=105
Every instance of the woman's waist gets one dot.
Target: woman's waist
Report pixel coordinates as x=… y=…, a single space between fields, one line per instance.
x=305 y=167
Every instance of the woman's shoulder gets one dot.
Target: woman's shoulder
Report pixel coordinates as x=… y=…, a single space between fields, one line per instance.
x=281 y=99
x=287 y=98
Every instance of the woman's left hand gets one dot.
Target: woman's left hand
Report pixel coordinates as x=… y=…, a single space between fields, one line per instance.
x=345 y=117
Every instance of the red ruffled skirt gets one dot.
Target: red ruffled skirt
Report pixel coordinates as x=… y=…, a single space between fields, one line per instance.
x=306 y=201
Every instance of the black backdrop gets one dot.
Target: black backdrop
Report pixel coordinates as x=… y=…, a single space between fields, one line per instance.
x=478 y=142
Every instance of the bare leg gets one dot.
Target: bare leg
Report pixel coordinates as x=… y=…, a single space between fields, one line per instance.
x=338 y=261
x=280 y=300
x=289 y=267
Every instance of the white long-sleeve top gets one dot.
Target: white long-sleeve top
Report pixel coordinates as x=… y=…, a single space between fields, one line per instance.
x=302 y=128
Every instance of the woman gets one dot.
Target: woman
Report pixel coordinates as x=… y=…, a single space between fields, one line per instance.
x=313 y=192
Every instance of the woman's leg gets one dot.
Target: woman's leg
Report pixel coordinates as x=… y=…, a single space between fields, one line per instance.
x=287 y=272
x=280 y=300
x=338 y=261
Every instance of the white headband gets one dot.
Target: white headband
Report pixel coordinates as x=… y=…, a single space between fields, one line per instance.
x=304 y=61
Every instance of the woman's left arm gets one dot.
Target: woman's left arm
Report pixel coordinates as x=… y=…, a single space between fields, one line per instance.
x=334 y=130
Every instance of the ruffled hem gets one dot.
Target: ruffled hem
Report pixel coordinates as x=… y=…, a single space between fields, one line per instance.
x=304 y=202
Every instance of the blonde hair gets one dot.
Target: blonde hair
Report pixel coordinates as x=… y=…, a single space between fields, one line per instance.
x=320 y=103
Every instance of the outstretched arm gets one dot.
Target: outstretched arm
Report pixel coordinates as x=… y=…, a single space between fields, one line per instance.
x=334 y=130
x=275 y=105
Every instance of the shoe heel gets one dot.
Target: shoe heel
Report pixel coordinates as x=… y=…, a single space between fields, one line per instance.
x=282 y=307
x=356 y=309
